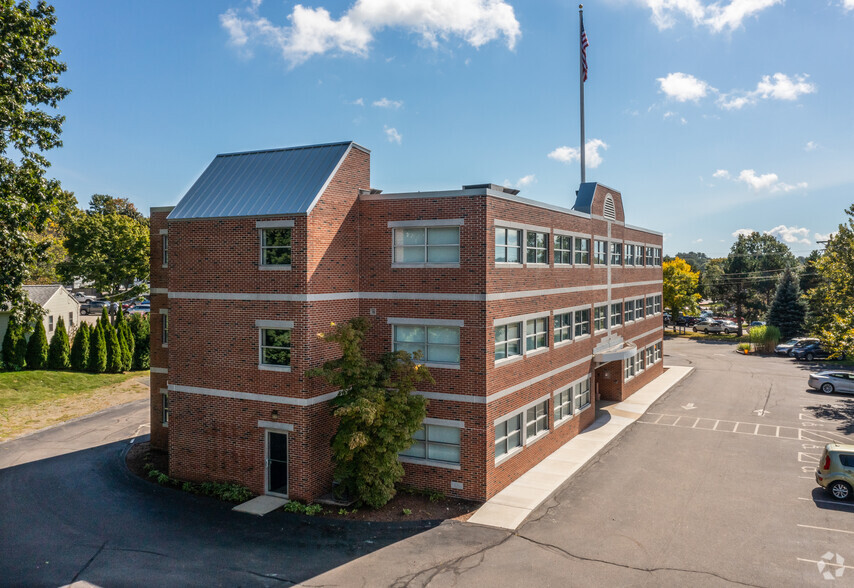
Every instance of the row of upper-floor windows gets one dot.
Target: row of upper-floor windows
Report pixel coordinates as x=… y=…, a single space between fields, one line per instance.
x=440 y=245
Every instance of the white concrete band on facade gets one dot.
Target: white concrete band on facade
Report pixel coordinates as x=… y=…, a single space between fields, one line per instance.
x=274 y=324
x=159 y=370
x=276 y=426
x=256 y=397
x=158 y=290
x=426 y=322
x=514 y=225
x=536 y=379
x=274 y=224
x=499 y=322
x=164 y=231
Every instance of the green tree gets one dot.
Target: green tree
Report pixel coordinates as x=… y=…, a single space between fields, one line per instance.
x=29 y=76
x=14 y=347
x=788 y=311
x=376 y=411
x=115 y=356
x=104 y=204
x=141 y=330
x=696 y=260
x=128 y=343
x=97 y=360
x=37 y=348
x=80 y=349
x=59 y=351
x=810 y=277
x=831 y=302
x=109 y=250
x=680 y=288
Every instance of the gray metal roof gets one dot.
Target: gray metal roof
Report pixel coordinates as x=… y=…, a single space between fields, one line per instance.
x=41 y=294
x=584 y=197
x=258 y=183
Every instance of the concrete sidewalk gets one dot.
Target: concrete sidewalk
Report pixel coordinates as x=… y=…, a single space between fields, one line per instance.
x=510 y=507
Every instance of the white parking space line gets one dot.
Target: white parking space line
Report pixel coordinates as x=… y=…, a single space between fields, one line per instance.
x=827 y=563
x=828 y=502
x=827 y=529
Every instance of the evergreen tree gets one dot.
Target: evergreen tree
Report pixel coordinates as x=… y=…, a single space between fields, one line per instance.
x=114 y=350
x=141 y=330
x=787 y=311
x=37 y=348
x=128 y=346
x=11 y=360
x=20 y=353
x=97 y=351
x=80 y=349
x=58 y=355
x=105 y=315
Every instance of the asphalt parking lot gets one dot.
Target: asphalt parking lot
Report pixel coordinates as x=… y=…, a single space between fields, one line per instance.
x=712 y=487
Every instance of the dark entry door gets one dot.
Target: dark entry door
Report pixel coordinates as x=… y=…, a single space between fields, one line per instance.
x=277 y=463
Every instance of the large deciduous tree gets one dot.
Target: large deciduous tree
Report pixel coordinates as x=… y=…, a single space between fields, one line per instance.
x=29 y=91
x=680 y=287
x=377 y=412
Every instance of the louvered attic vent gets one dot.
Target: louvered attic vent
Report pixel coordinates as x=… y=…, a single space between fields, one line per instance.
x=610 y=212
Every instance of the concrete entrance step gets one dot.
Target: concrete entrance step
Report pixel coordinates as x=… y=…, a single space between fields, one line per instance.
x=261 y=505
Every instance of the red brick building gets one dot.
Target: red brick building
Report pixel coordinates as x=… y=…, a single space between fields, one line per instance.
x=526 y=313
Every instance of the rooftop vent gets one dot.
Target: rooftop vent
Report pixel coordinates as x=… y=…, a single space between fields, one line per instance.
x=494 y=187
x=609 y=211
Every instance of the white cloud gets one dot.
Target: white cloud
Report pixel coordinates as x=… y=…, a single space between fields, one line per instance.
x=526 y=180
x=313 y=31
x=776 y=87
x=812 y=145
x=357 y=102
x=722 y=174
x=848 y=4
x=593 y=158
x=697 y=241
x=714 y=15
x=790 y=234
x=386 y=103
x=769 y=182
x=392 y=135
x=683 y=87
x=745 y=232
x=819 y=236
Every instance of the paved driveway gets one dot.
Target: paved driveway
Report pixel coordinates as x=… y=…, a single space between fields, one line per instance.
x=70 y=510
x=713 y=487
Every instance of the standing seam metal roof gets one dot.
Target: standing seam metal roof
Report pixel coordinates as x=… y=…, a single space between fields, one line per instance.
x=258 y=183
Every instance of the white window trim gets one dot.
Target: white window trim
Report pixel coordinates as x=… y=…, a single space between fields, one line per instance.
x=607 y=243
x=589 y=392
x=536 y=264
x=524 y=432
x=607 y=307
x=589 y=251
x=424 y=224
x=164 y=392
x=392 y=321
x=589 y=332
x=565 y=419
x=549 y=419
x=264 y=324
x=611 y=244
x=538 y=350
x=432 y=462
x=571 y=339
x=512 y=358
x=521 y=262
x=164 y=244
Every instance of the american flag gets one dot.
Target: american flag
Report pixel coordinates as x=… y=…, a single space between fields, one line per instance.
x=584 y=45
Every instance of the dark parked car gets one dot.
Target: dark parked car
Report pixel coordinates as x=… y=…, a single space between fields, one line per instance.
x=94 y=306
x=811 y=352
x=688 y=321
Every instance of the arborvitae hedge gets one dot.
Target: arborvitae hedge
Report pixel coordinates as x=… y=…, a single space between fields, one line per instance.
x=114 y=351
x=80 y=349
x=37 y=348
x=58 y=355
x=11 y=361
x=141 y=329
x=97 y=351
x=128 y=345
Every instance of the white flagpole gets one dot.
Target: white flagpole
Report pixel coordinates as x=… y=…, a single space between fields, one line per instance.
x=581 y=83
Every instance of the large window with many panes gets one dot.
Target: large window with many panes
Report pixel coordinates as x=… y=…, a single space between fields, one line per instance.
x=600 y=318
x=435 y=443
x=600 y=252
x=537 y=247
x=508 y=435
x=582 y=394
x=616 y=314
x=508 y=341
x=582 y=322
x=616 y=254
x=508 y=245
x=537 y=419
x=437 y=344
x=582 y=251
x=630 y=254
x=536 y=334
x=439 y=245
x=628 y=311
x=563 y=249
x=563 y=404
x=563 y=327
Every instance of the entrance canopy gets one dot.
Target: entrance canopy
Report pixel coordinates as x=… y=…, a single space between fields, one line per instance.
x=613 y=348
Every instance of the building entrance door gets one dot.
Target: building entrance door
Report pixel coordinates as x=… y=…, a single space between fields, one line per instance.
x=277 y=463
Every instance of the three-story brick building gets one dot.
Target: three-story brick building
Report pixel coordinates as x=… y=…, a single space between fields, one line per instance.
x=525 y=313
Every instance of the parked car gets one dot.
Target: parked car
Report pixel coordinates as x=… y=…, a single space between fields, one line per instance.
x=788 y=348
x=141 y=308
x=729 y=327
x=835 y=471
x=687 y=321
x=757 y=324
x=81 y=297
x=666 y=318
x=94 y=306
x=811 y=352
x=709 y=326
x=832 y=381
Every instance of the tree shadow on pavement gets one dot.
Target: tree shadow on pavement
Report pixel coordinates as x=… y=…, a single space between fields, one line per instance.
x=842 y=413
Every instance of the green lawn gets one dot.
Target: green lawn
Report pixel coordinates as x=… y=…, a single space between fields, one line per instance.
x=28 y=388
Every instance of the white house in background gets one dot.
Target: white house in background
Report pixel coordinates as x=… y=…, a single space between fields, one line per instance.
x=56 y=302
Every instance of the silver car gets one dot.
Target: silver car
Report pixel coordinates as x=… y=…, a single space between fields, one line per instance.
x=833 y=381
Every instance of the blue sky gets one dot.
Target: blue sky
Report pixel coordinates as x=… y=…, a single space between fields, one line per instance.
x=710 y=118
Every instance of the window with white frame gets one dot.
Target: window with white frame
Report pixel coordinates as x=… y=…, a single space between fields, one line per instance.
x=563 y=327
x=537 y=247
x=508 y=342
x=508 y=435
x=639 y=362
x=164 y=409
x=70 y=319
x=630 y=254
x=276 y=347
x=616 y=314
x=50 y=323
x=435 y=443
x=582 y=322
x=616 y=254
x=600 y=252
x=628 y=311
x=657 y=348
x=164 y=324
x=582 y=251
x=508 y=245
x=639 y=255
x=600 y=318
x=657 y=304
x=427 y=245
x=630 y=367
x=638 y=309
x=437 y=344
x=563 y=404
x=537 y=419
x=165 y=243
x=650 y=305
x=650 y=355
x=581 y=394
x=563 y=249
x=657 y=260
x=536 y=334
x=650 y=257
x=276 y=246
